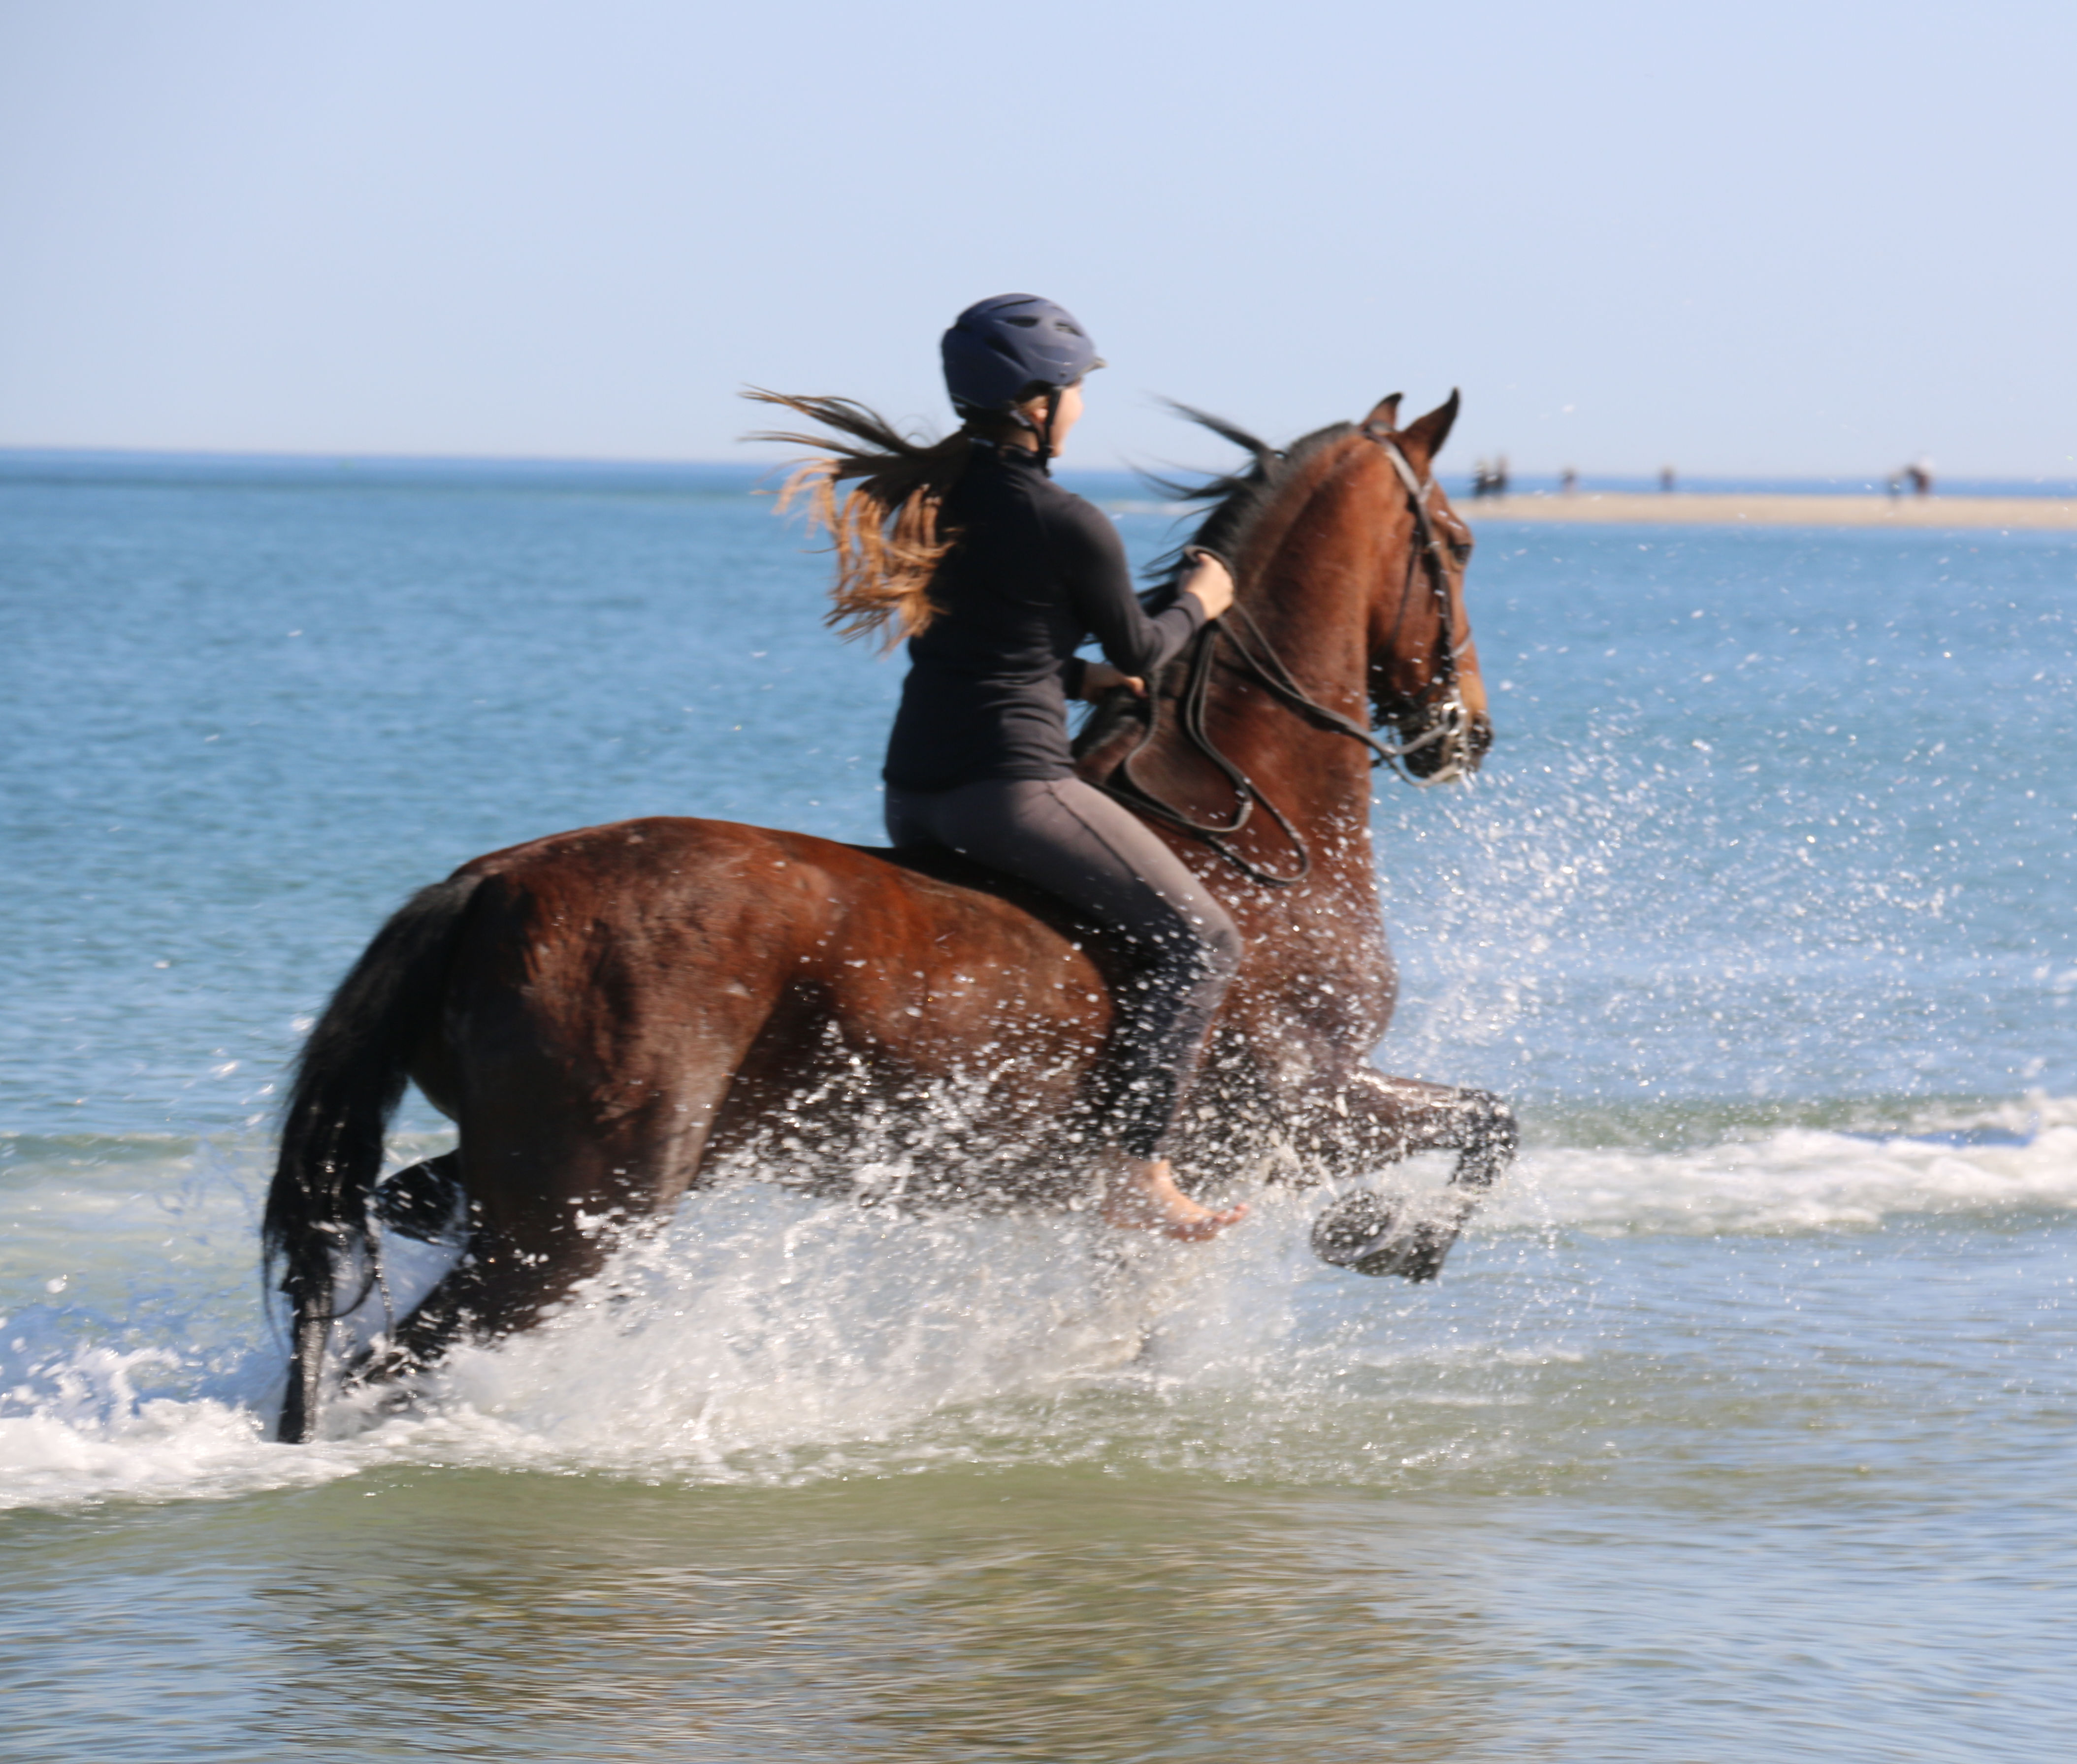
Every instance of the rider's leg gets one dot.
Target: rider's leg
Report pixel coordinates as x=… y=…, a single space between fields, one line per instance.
x=1069 y=839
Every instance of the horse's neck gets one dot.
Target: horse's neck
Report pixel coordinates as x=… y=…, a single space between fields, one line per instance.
x=1309 y=597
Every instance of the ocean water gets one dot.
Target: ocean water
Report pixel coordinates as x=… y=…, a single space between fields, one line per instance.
x=1740 y=1425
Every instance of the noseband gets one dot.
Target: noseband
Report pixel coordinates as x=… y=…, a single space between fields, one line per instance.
x=1443 y=700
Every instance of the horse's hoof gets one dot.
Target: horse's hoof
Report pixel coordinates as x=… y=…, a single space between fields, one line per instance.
x=1352 y=1227
x=1371 y=1234
x=380 y=1363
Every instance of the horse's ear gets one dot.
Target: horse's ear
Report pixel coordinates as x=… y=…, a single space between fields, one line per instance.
x=1384 y=415
x=1425 y=435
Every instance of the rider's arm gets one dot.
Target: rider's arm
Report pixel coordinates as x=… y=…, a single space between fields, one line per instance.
x=1208 y=578
x=1090 y=560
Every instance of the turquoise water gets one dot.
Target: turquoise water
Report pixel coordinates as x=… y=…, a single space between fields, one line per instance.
x=1739 y=1426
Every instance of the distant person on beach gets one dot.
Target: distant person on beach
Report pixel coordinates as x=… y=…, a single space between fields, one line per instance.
x=1569 y=481
x=1919 y=475
x=1489 y=479
x=1666 y=480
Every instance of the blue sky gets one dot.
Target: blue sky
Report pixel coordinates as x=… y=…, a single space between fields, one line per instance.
x=1769 y=239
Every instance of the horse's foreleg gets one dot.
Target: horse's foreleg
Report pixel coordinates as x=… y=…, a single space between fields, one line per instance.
x=1384 y=1119
x=1372 y=1120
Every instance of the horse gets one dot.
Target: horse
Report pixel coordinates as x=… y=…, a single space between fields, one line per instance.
x=612 y=1015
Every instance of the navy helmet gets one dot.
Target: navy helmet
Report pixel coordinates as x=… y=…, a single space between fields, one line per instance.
x=1000 y=351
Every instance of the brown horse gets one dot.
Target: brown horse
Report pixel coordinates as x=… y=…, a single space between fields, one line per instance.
x=608 y=1015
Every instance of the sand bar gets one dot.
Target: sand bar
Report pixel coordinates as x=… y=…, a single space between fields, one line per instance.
x=1733 y=508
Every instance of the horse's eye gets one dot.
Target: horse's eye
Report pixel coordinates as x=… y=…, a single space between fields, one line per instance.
x=1461 y=550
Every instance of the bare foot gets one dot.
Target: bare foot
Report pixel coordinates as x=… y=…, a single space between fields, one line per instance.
x=1141 y=1196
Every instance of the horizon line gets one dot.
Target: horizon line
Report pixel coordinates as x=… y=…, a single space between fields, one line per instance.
x=13 y=451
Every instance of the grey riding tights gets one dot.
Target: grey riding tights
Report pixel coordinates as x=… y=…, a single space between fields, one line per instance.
x=1069 y=839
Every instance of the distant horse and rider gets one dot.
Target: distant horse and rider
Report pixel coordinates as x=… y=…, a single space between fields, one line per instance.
x=613 y=1015
x=1489 y=477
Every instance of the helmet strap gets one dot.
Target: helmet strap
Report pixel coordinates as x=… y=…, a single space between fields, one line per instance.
x=1045 y=433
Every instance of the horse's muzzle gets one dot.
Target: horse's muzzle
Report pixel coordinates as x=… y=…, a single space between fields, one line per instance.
x=1468 y=736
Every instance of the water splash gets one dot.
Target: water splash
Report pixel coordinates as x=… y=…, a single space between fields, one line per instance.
x=775 y=1337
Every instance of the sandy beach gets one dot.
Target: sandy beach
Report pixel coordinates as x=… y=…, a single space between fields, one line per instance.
x=1731 y=509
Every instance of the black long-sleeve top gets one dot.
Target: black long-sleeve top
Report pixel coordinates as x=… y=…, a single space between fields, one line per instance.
x=1034 y=572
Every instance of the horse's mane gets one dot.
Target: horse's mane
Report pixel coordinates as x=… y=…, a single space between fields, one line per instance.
x=1238 y=499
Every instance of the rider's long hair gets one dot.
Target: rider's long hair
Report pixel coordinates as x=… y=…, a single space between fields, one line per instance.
x=885 y=531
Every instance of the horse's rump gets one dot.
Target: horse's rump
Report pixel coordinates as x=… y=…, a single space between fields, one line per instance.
x=705 y=986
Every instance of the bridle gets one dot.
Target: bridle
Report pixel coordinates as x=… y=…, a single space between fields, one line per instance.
x=1443 y=700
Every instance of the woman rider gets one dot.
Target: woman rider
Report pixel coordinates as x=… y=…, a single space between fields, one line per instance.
x=997 y=576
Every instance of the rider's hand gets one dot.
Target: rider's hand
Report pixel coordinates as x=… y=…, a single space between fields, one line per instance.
x=1211 y=584
x=1100 y=677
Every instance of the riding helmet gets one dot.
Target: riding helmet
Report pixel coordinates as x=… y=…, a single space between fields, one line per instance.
x=1003 y=349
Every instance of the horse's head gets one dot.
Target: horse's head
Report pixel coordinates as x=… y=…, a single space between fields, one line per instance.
x=1424 y=665
x=1350 y=564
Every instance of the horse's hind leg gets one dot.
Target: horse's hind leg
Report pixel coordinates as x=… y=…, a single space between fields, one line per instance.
x=425 y=1201
x=552 y=1190
x=509 y=1272
x=1377 y=1120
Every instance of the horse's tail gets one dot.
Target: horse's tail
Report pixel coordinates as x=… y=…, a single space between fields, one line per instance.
x=349 y=1079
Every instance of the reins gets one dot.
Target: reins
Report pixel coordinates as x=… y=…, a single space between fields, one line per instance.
x=1258 y=658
